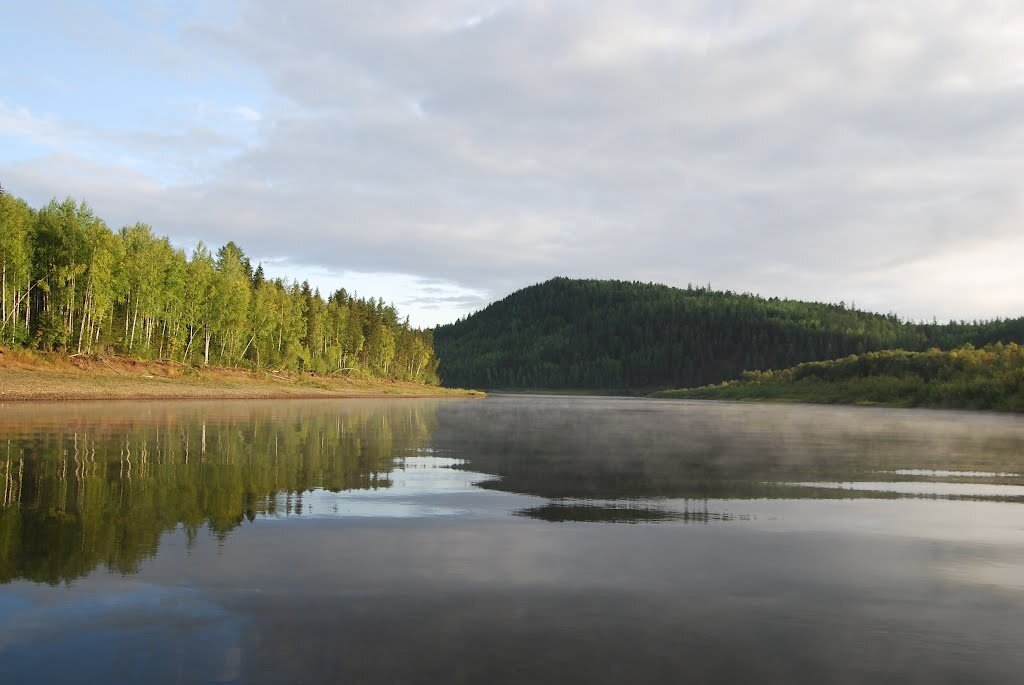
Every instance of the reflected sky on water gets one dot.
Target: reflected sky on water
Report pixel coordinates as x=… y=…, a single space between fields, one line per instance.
x=510 y=539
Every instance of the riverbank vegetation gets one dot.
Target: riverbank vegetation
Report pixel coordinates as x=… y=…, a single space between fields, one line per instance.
x=612 y=335
x=988 y=378
x=68 y=283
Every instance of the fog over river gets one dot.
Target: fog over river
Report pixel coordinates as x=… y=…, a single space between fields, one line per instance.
x=512 y=539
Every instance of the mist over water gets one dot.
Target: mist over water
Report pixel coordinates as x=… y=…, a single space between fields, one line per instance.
x=510 y=539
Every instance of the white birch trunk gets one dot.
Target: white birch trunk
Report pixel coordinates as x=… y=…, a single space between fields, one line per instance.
x=135 y=320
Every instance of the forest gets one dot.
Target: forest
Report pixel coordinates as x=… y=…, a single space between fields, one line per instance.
x=619 y=335
x=69 y=283
x=966 y=377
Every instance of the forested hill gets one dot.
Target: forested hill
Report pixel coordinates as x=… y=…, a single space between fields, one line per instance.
x=69 y=283
x=594 y=334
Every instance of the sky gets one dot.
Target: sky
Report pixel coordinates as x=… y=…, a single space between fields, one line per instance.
x=442 y=153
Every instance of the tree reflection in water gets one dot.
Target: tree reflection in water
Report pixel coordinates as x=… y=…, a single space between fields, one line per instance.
x=99 y=485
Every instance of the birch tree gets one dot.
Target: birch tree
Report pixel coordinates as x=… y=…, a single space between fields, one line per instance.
x=197 y=308
x=16 y=219
x=68 y=282
x=231 y=300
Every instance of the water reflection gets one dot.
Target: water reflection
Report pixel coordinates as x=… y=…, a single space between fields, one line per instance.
x=513 y=539
x=625 y=512
x=99 y=484
x=606 y=448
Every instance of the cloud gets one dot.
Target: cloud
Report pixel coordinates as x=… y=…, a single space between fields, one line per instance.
x=170 y=153
x=247 y=113
x=807 y=149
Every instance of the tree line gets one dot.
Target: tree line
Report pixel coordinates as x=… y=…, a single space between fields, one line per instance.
x=70 y=283
x=991 y=377
x=600 y=334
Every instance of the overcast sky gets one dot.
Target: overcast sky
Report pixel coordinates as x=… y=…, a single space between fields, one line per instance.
x=441 y=153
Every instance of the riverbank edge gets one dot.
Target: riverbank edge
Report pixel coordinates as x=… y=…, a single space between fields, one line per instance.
x=686 y=394
x=51 y=377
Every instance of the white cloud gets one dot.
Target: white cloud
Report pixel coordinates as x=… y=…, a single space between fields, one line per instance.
x=247 y=113
x=804 y=148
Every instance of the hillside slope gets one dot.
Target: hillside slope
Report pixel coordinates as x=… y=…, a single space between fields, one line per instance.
x=596 y=334
x=968 y=378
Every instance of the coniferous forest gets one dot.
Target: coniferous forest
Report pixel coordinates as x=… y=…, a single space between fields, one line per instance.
x=615 y=335
x=70 y=283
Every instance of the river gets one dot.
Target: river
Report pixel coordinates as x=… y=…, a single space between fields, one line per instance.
x=513 y=539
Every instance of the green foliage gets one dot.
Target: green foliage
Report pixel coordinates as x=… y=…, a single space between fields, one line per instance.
x=69 y=283
x=988 y=378
x=16 y=221
x=85 y=493
x=625 y=335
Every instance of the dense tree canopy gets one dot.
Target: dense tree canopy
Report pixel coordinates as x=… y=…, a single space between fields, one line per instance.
x=988 y=378
x=625 y=335
x=67 y=282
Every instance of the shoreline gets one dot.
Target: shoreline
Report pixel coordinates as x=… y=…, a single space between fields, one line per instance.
x=35 y=377
x=830 y=402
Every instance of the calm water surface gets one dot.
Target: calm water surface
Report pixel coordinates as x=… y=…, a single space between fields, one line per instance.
x=515 y=539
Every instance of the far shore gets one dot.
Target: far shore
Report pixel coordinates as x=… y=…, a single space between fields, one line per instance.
x=57 y=377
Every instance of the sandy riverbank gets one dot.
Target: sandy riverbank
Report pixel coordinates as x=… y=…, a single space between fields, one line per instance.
x=53 y=377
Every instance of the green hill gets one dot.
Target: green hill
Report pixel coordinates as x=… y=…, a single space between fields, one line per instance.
x=989 y=378
x=612 y=335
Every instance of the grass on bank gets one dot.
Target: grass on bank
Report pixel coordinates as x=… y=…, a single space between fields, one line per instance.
x=991 y=377
x=29 y=375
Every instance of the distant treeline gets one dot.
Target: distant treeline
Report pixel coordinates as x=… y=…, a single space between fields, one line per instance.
x=70 y=283
x=596 y=334
x=969 y=378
